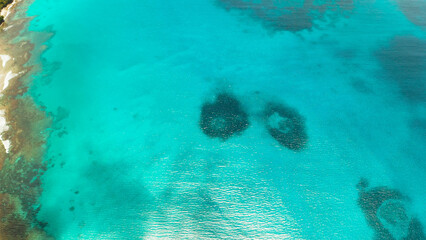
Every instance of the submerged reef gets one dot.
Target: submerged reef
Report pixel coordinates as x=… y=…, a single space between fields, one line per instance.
x=21 y=168
x=404 y=63
x=386 y=212
x=286 y=125
x=223 y=118
x=26 y=128
x=288 y=15
x=14 y=224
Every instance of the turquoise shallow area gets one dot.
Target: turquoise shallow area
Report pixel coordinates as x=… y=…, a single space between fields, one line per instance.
x=125 y=83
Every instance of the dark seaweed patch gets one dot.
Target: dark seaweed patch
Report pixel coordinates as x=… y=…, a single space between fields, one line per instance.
x=382 y=204
x=404 y=62
x=115 y=188
x=286 y=125
x=223 y=118
x=361 y=86
x=418 y=126
x=287 y=15
x=414 y=11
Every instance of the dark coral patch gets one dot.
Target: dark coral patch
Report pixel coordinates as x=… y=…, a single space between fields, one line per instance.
x=286 y=125
x=223 y=118
x=370 y=203
x=385 y=212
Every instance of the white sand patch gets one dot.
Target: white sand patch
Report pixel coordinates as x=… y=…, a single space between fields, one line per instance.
x=6 y=144
x=3 y=128
x=7 y=28
x=5 y=58
x=9 y=75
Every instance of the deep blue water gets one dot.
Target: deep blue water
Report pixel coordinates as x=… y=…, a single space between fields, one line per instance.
x=126 y=82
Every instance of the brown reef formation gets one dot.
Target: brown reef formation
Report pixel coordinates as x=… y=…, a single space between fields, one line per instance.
x=21 y=165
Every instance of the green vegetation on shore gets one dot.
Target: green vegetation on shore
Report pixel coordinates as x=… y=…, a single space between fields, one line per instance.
x=3 y=4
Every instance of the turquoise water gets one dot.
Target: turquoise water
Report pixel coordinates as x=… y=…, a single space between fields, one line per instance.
x=125 y=83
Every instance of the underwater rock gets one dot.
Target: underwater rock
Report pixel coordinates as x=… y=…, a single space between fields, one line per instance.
x=385 y=211
x=288 y=15
x=286 y=125
x=223 y=118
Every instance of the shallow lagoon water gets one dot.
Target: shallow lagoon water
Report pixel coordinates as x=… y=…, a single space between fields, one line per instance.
x=126 y=82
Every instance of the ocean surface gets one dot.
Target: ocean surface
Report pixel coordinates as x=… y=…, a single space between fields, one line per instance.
x=129 y=82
